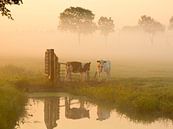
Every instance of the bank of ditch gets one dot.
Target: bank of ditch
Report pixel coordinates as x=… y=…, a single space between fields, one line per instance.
x=12 y=100
x=131 y=96
x=149 y=96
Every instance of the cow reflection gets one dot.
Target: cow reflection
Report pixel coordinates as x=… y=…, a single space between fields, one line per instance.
x=51 y=112
x=75 y=113
x=103 y=113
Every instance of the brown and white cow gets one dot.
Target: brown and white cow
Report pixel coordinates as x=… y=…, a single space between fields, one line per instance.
x=77 y=67
x=103 y=67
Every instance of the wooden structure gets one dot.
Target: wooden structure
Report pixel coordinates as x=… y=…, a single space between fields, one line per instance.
x=52 y=67
x=56 y=71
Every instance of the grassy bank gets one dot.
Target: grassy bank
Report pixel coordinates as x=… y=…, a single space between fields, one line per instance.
x=11 y=106
x=140 y=99
x=12 y=101
x=145 y=99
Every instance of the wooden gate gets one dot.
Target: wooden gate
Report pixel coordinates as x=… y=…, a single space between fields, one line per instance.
x=56 y=71
x=51 y=65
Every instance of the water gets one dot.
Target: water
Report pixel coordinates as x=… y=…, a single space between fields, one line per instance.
x=64 y=112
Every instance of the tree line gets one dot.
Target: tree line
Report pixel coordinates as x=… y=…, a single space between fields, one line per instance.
x=81 y=21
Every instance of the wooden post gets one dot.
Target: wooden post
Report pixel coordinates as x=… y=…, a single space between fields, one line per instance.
x=47 y=63
x=51 y=61
x=58 y=71
x=55 y=68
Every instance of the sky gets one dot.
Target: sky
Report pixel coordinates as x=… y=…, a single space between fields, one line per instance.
x=35 y=26
x=44 y=14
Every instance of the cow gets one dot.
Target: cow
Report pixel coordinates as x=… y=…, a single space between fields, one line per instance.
x=103 y=67
x=77 y=67
x=75 y=113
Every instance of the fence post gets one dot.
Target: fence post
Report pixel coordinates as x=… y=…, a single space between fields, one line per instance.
x=58 y=71
x=51 y=65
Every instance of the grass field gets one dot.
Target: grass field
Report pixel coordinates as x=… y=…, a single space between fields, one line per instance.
x=142 y=91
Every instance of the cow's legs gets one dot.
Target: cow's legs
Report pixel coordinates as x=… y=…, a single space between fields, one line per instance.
x=108 y=75
x=81 y=76
x=95 y=75
x=87 y=76
x=69 y=76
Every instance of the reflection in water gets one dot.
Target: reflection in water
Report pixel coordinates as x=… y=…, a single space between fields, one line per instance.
x=65 y=112
x=75 y=113
x=103 y=113
x=51 y=112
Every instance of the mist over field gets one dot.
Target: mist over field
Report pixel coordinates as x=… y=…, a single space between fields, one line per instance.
x=35 y=29
x=131 y=53
x=119 y=45
x=114 y=65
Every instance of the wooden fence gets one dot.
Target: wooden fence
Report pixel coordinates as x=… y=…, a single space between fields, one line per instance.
x=55 y=70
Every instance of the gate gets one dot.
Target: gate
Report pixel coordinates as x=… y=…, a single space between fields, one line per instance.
x=56 y=71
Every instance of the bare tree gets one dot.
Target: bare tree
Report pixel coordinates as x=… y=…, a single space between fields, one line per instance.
x=78 y=20
x=150 y=26
x=106 y=26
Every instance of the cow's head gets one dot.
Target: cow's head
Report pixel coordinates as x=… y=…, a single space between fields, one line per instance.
x=69 y=67
x=100 y=64
x=87 y=67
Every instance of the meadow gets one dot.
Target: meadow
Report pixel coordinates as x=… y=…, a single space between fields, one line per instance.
x=142 y=91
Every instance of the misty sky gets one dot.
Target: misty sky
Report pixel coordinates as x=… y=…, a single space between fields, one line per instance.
x=43 y=14
x=35 y=26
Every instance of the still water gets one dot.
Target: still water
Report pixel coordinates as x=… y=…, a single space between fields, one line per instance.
x=64 y=112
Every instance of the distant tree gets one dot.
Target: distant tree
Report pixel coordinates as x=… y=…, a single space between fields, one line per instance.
x=171 y=23
x=78 y=20
x=4 y=11
x=106 y=26
x=150 y=26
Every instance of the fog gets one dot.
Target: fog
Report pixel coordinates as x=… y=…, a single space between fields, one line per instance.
x=119 y=45
x=35 y=29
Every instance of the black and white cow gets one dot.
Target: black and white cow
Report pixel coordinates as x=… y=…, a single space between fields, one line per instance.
x=103 y=67
x=74 y=112
x=77 y=67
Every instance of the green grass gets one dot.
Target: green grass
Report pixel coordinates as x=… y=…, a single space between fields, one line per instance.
x=140 y=91
x=140 y=99
x=12 y=101
x=11 y=106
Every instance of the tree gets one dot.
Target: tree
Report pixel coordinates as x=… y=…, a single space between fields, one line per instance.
x=171 y=23
x=150 y=26
x=78 y=20
x=4 y=11
x=106 y=26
